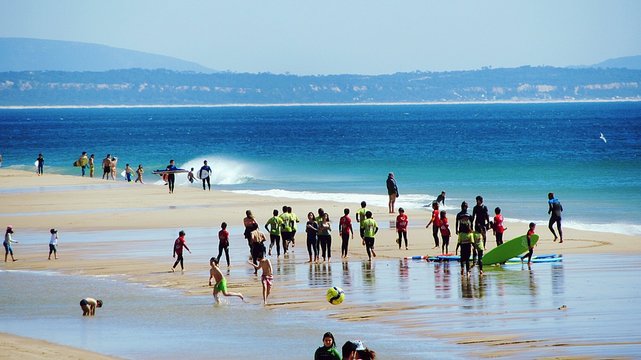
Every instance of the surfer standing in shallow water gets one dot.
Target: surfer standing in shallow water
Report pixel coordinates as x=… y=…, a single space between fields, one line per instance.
x=555 y=209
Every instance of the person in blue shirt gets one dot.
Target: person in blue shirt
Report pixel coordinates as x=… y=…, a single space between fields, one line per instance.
x=204 y=174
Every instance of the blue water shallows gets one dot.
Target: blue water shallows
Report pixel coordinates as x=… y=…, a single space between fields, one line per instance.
x=512 y=154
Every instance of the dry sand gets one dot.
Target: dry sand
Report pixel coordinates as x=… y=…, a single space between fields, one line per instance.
x=74 y=203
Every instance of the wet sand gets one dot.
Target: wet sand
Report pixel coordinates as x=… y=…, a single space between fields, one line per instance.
x=130 y=231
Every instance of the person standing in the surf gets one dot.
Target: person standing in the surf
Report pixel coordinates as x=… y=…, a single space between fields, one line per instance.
x=555 y=209
x=392 y=192
x=205 y=174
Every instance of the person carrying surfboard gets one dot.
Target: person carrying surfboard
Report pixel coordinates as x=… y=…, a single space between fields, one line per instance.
x=171 y=177
x=204 y=174
x=530 y=246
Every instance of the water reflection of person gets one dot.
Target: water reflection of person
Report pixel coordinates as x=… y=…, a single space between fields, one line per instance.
x=404 y=274
x=442 y=286
x=347 y=278
x=531 y=278
x=368 y=275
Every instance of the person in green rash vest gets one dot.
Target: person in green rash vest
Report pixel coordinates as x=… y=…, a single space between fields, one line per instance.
x=360 y=216
x=328 y=351
x=370 y=228
x=273 y=226
x=286 y=229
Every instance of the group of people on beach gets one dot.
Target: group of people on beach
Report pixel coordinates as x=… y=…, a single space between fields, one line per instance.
x=351 y=350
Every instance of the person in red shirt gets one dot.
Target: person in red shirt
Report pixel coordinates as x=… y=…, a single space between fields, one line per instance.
x=345 y=229
x=179 y=244
x=530 y=232
x=436 y=220
x=445 y=232
x=497 y=226
x=223 y=243
x=401 y=227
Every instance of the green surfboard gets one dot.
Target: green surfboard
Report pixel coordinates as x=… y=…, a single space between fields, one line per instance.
x=508 y=250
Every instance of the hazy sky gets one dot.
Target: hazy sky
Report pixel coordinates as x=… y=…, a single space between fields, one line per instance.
x=342 y=36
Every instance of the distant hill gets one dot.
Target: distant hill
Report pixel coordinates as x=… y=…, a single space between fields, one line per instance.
x=163 y=87
x=627 y=62
x=21 y=54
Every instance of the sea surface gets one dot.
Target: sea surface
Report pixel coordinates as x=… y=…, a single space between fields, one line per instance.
x=511 y=154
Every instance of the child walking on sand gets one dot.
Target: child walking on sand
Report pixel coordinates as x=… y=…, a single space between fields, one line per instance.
x=530 y=232
x=497 y=226
x=8 y=240
x=445 y=232
x=179 y=244
x=53 y=244
x=128 y=172
x=370 y=229
x=465 y=239
x=401 y=227
x=435 y=221
x=221 y=282
x=267 y=277
x=223 y=243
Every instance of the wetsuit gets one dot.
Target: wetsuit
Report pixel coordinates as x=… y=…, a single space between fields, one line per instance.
x=223 y=245
x=171 y=178
x=204 y=178
x=312 y=240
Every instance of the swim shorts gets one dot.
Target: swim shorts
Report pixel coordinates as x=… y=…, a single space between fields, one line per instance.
x=267 y=279
x=221 y=286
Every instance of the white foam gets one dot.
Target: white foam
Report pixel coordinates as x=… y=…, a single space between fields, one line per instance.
x=225 y=171
x=614 y=228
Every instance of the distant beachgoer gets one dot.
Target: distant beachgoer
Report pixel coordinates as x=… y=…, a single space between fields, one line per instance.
x=441 y=198
x=479 y=247
x=328 y=351
x=295 y=220
x=435 y=221
x=8 y=240
x=171 y=177
x=286 y=229
x=530 y=247
x=106 y=167
x=179 y=244
x=221 y=283
x=273 y=226
x=250 y=225
x=555 y=209
x=205 y=174
x=360 y=216
x=82 y=162
x=445 y=232
x=392 y=192
x=190 y=176
x=354 y=350
x=223 y=243
x=267 y=277
x=465 y=239
x=92 y=165
x=89 y=305
x=53 y=244
x=463 y=219
x=401 y=227
x=128 y=172
x=139 y=173
x=257 y=246
x=481 y=218
x=0 y=160
x=497 y=226
x=325 y=237
x=369 y=232
x=345 y=229
x=41 y=164
x=114 y=164
x=311 y=228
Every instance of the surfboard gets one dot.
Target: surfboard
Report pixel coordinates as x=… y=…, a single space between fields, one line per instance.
x=35 y=163
x=203 y=174
x=539 y=259
x=163 y=172
x=508 y=250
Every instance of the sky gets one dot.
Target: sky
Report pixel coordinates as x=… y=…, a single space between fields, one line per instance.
x=342 y=36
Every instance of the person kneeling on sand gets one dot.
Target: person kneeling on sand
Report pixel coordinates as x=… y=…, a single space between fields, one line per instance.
x=89 y=305
x=267 y=276
x=221 y=282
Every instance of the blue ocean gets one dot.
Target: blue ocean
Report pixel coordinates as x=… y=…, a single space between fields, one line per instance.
x=511 y=154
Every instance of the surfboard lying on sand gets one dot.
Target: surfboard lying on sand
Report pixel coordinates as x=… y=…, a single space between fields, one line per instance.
x=163 y=172
x=508 y=250
x=551 y=258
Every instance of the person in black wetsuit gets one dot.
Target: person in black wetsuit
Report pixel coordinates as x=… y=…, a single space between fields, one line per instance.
x=555 y=209
x=171 y=177
x=481 y=218
x=392 y=191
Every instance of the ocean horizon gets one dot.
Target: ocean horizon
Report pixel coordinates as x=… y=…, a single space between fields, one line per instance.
x=512 y=154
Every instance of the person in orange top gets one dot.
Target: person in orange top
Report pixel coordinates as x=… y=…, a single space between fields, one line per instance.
x=436 y=220
x=497 y=226
x=401 y=227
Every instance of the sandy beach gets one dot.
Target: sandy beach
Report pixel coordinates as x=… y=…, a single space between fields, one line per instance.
x=74 y=204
